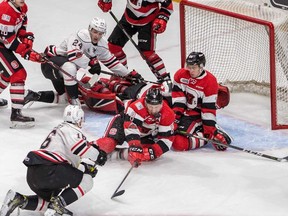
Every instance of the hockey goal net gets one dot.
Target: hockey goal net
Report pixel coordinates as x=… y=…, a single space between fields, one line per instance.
x=245 y=45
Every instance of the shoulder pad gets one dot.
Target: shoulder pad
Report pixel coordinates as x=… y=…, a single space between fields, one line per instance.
x=84 y=36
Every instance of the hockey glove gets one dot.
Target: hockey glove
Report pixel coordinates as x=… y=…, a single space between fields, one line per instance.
x=102 y=157
x=134 y=77
x=31 y=55
x=159 y=24
x=221 y=137
x=135 y=155
x=105 y=5
x=50 y=51
x=148 y=154
x=95 y=67
x=28 y=39
x=89 y=169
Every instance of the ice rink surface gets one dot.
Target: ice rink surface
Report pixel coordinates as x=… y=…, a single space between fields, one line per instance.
x=196 y=183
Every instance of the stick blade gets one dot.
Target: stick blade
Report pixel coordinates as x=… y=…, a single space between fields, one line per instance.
x=119 y=193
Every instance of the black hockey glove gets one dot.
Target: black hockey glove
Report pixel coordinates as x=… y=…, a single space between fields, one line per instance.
x=89 y=169
x=134 y=77
x=102 y=157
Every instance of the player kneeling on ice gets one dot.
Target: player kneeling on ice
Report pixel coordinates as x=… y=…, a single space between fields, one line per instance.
x=84 y=50
x=194 y=101
x=147 y=125
x=61 y=171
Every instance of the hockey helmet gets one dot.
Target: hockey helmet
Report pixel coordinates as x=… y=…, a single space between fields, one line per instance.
x=154 y=96
x=73 y=114
x=197 y=58
x=98 y=24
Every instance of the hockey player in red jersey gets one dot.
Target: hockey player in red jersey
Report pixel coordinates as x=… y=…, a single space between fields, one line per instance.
x=147 y=125
x=147 y=18
x=82 y=50
x=61 y=171
x=194 y=98
x=14 y=38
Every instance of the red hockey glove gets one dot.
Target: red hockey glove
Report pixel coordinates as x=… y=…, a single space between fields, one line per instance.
x=95 y=67
x=31 y=55
x=221 y=137
x=135 y=155
x=28 y=39
x=105 y=5
x=50 y=51
x=159 y=24
x=134 y=77
x=148 y=154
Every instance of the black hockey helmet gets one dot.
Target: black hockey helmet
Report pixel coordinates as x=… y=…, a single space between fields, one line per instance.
x=197 y=58
x=154 y=96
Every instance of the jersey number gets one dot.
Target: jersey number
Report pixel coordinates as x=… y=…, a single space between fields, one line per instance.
x=46 y=142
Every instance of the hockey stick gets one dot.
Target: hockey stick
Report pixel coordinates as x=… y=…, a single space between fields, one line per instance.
x=119 y=193
x=151 y=66
x=112 y=74
x=235 y=147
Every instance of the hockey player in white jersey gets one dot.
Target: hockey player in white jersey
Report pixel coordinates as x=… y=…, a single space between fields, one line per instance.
x=83 y=49
x=61 y=171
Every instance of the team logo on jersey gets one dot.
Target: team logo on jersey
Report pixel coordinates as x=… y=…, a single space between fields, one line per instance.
x=185 y=81
x=193 y=81
x=6 y=17
x=113 y=131
x=14 y=64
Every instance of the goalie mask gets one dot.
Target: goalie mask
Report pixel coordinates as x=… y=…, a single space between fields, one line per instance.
x=73 y=114
x=196 y=58
x=98 y=24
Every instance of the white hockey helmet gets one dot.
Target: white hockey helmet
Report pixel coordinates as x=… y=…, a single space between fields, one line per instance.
x=98 y=24
x=73 y=114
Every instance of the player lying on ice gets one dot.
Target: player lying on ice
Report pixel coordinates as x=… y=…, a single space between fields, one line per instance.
x=61 y=171
x=147 y=125
x=194 y=101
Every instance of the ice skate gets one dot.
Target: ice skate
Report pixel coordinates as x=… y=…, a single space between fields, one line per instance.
x=56 y=208
x=3 y=103
x=20 y=121
x=30 y=97
x=12 y=201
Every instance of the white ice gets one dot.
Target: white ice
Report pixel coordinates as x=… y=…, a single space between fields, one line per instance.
x=203 y=182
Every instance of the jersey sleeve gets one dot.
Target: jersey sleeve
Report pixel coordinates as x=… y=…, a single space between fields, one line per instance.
x=178 y=96
x=132 y=125
x=208 y=111
x=109 y=60
x=165 y=136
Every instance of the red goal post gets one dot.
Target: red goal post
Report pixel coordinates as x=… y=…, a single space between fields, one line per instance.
x=246 y=46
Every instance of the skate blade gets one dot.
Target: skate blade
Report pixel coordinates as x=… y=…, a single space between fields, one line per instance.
x=29 y=104
x=9 y=196
x=21 y=125
x=52 y=212
x=3 y=107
